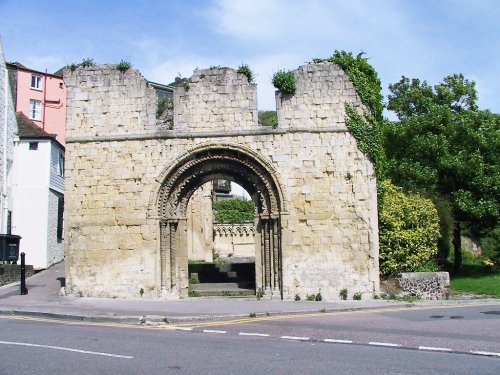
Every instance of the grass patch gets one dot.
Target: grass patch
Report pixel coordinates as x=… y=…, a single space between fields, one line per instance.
x=478 y=280
x=476 y=277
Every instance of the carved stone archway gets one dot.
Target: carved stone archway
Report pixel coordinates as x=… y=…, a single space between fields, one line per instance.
x=190 y=171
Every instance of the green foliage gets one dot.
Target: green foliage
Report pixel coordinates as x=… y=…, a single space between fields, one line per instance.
x=311 y=297
x=245 y=70
x=490 y=244
x=297 y=297
x=364 y=78
x=357 y=296
x=141 y=291
x=234 y=211
x=365 y=128
x=343 y=294
x=368 y=137
x=123 y=66
x=284 y=80
x=87 y=62
x=193 y=293
x=268 y=118
x=259 y=294
x=430 y=266
x=163 y=105
x=318 y=297
x=409 y=229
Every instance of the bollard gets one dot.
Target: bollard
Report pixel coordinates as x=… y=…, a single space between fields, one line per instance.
x=24 y=290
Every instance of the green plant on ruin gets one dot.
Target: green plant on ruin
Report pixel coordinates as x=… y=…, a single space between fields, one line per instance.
x=297 y=297
x=245 y=70
x=365 y=128
x=284 y=80
x=357 y=296
x=164 y=104
x=87 y=62
x=343 y=294
x=123 y=66
x=259 y=294
x=268 y=118
x=72 y=66
x=193 y=293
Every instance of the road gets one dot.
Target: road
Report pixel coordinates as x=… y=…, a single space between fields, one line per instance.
x=451 y=340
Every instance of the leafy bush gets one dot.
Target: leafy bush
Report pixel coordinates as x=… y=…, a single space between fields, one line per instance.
x=409 y=230
x=343 y=294
x=268 y=118
x=123 y=66
x=163 y=105
x=284 y=81
x=357 y=296
x=234 y=211
x=87 y=62
x=245 y=70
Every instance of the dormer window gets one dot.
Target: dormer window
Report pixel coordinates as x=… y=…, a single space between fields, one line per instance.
x=36 y=82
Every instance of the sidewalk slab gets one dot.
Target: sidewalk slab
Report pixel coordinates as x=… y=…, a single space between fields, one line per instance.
x=43 y=300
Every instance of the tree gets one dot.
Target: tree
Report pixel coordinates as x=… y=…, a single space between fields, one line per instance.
x=444 y=145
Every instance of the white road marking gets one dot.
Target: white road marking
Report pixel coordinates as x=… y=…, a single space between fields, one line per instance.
x=432 y=348
x=253 y=334
x=491 y=354
x=295 y=338
x=182 y=328
x=338 y=341
x=376 y=343
x=213 y=331
x=65 y=349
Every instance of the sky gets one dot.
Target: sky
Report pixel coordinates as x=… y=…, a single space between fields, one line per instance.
x=425 y=39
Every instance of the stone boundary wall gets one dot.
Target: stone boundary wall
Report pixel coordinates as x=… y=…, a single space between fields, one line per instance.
x=234 y=240
x=10 y=273
x=425 y=285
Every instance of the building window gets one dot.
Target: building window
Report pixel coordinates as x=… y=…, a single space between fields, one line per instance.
x=36 y=82
x=60 y=165
x=60 y=217
x=34 y=146
x=35 y=112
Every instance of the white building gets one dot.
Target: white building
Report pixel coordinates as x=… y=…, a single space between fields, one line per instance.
x=38 y=194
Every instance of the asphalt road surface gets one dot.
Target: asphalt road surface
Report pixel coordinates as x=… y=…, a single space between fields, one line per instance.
x=463 y=340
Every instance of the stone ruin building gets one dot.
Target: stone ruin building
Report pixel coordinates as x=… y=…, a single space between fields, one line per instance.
x=130 y=177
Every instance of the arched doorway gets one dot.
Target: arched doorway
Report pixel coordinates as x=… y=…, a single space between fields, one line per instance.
x=219 y=162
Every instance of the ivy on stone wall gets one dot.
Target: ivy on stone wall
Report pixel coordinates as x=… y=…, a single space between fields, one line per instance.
x=365 y=128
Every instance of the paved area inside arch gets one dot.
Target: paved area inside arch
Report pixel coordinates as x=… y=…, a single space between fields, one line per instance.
x=130 y=176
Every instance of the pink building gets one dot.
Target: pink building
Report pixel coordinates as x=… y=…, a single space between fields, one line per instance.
x=41 y=97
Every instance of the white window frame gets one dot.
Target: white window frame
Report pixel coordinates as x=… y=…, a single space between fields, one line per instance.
x=35 y=110
x=36 y=82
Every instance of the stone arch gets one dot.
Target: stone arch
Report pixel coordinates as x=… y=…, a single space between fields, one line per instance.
x=190 y=171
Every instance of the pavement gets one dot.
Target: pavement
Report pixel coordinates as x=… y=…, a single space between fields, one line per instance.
x=44 y=300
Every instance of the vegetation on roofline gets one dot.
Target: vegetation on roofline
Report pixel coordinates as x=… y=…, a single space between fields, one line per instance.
x=123 y=66
x=284 y=80
x=245 y=70
x=234 y=211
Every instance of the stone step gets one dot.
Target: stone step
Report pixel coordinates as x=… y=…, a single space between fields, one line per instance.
x=223 y=289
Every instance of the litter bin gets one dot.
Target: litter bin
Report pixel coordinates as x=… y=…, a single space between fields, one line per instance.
x=9 y=247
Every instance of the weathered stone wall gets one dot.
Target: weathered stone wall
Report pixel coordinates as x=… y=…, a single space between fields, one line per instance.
x=425 y=285
x=200 y=225
x=235 y=241
x=10 y=273
x=116 y=161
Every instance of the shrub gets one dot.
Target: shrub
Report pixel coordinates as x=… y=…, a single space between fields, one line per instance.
x=284 y=81
x=234 y=211
x=87 y=62
x=357 y=296
x=163 y=105
x=268 y=118
x=409 y=230
x=245 y=70
x=297 y=297
x=123 y=66
x=343 y=294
